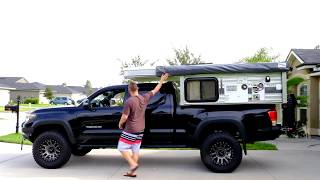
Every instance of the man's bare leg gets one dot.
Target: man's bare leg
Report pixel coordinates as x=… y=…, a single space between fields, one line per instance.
x=135 y=157
x=127 y=156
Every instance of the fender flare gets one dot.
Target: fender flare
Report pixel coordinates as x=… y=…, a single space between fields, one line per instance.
x=66 y=127
x=211 y=121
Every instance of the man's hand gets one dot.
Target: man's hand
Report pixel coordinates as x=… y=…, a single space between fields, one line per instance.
x=122 y=121
x=120 y=125
x=164 y=77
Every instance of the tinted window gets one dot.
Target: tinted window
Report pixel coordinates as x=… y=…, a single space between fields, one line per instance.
x=157 y=97
x=201 y=89
x=109 y=98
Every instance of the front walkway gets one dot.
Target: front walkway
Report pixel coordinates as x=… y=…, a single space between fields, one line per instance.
x=305 y=144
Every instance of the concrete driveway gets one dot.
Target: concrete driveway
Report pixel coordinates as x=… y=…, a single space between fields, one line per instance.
x=296 y=159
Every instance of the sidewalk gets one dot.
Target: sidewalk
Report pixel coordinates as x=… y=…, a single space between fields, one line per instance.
x=306 y=144
x=8 y=122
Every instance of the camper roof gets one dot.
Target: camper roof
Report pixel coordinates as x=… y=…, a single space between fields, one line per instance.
x=221 y=68
x=181 y=70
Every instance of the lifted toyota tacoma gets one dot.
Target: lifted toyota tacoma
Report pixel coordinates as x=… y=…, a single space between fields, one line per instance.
x=221 y=131
x=217 y=131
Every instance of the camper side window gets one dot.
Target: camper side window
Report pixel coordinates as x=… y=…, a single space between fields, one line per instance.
x=201 y=89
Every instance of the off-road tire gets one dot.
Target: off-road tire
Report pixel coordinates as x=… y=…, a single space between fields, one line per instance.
x=221 y=152
x=51 y=150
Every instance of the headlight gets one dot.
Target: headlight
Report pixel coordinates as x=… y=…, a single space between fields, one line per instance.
x=30 y=117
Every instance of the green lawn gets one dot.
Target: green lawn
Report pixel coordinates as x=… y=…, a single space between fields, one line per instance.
x=261 y=146
x=16 y=138
x=26 y=107
x=37 y=105
x=254 y=146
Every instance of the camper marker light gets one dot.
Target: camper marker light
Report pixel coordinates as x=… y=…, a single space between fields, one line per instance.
x=244 y=87
x=267 y=78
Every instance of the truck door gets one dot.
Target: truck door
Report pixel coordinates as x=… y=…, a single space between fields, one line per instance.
x=159 y=120
x=99 y=124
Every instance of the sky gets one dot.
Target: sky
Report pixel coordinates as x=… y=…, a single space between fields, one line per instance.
x=73 y=41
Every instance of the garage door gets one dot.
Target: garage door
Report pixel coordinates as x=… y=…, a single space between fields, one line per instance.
x=4 y=97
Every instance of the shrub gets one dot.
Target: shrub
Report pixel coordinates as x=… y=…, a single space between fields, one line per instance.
x=294 y=82
x=31 y=100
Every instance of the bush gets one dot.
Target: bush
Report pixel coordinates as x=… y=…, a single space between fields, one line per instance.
x=303 y=101
x=31 y=100
x=294 y=82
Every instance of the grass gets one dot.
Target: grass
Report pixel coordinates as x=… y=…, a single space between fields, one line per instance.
x=14 y=138
x=37 y=105
x=26 y=107
x=261 y=146
x=254 y=146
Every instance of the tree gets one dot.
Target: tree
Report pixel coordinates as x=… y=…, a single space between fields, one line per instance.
x=184 y=56
x=262 y=55
x=317 y=46
x=88 y=87
x=48 y=93
x=134 y=62
x=64 y=84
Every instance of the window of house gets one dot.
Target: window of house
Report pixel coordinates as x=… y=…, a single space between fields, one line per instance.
x=304 y=90
x=201 y=90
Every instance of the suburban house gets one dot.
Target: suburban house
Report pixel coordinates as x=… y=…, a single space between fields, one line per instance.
x=73 y=92
x=12 y=87
x=4 y=94
x=21 y=87
x=305 y=64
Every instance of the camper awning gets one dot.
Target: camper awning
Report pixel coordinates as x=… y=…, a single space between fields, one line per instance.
x=181 y=70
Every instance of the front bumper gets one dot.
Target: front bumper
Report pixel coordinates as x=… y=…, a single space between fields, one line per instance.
x=26 y=131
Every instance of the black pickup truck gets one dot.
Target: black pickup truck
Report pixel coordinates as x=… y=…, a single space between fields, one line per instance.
x=217 y=130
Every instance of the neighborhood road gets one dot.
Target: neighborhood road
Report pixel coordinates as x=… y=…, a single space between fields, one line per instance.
x=8 y=122
x=296 y=159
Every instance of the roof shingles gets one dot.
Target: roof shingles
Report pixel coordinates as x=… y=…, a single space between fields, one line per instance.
x=308 y=56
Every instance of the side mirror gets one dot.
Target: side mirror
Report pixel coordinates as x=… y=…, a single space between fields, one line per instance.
x=112 y=102
x=86 y=104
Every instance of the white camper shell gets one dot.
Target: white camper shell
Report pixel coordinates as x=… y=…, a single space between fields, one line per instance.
x=214 y=84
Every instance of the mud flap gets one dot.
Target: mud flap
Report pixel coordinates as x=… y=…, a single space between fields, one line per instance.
x=22 y=142
x=244 y=146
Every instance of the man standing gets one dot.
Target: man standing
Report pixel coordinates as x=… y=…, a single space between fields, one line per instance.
x=133 y=116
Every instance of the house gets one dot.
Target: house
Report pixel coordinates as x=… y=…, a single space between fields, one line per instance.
x=20 y=87
x=305 y=64
x=73 y=92
x=4 y=94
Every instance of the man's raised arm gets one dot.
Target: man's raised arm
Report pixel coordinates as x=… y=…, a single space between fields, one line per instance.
x=163 y=78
